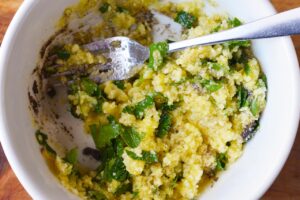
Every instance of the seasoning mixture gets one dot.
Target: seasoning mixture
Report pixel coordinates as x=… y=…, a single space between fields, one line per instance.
x=170 y=130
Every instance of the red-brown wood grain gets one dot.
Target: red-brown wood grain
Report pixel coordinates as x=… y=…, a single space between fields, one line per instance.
x=286 y=186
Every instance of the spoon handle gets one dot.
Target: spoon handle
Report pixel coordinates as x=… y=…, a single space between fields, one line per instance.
x=283 y=24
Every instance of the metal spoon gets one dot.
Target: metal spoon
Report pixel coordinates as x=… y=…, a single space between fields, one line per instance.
x=126 y=56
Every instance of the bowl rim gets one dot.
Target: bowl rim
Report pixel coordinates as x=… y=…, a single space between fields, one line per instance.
x=31 y=186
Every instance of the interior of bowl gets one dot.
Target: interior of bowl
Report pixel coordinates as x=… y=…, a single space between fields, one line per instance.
x=248 y=178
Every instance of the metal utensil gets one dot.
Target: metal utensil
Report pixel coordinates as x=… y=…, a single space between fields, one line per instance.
x=126 y=56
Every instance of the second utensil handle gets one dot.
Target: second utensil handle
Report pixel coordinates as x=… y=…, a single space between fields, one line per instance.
x=283 y=24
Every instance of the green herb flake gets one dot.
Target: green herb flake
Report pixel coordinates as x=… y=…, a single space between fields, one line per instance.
x=131 y=137
x=247 y=69
x=177 y=178
x=133 y=155
x=104 y=8
x=110 y=131
x=112 y=119
x=215 y=66
x=95 y=134
x=242 y=43
x=148 y=156
x=242 y=96
x=167 y=108
x=63 y=54
x=42 y=139
x=104 y=134
x=98 y=107
x=216 y=29
x=158 y=52
x=115 y=169
x=118 y=147
x=254 y=107
x=124 y=188
x=139 y=109
x=135 y=194
x=221 y=161
x=71 y=156
x=89 y=86
x=164 y=126
x=265 y=80
x=185 y=19
x=129 y=109
x=120 y=84
x=141 y=106
x=159 y=99
x=180 y=82
x=235 y=22
x=107 y=153
x=121 y=9
x=211 y=86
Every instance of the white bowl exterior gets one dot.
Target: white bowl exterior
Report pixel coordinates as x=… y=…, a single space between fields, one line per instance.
x=248 y=178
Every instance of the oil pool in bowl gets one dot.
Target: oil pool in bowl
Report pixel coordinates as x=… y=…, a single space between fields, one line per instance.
x=166 y=133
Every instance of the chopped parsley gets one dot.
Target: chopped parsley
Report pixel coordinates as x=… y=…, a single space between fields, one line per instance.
x=121 y=9
x=115 y=169
x=133 y=155
x=158 y=52
x=42 y=139
x=216 y=29
x=215 y=66
x=98 y=107
x=63 y=54
x=164 y=126
x=108 y=135
x=89 y=86
x=122 y=189
x=264 y=79
x=187 y=20
x=221 y=161
x=139 y=109
x=120 y=84
x=245 y=99
x=242 y=96
x=165 y=121
x=71 y=156
x=104 y=8
x=148 y=156
x=254 y=107
x=235 y=43
x=247 y=69
x=177 y=178
x=235 y=22
x=118 y=146
x=104 y=134
x=159 y=99
x=131 y=137
x=211 y=85
x=107 y=153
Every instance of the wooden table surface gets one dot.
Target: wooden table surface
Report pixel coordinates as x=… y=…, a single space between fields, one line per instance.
x=286 y=186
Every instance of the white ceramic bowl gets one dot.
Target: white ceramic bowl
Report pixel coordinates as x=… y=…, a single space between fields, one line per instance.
x=248 y=178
